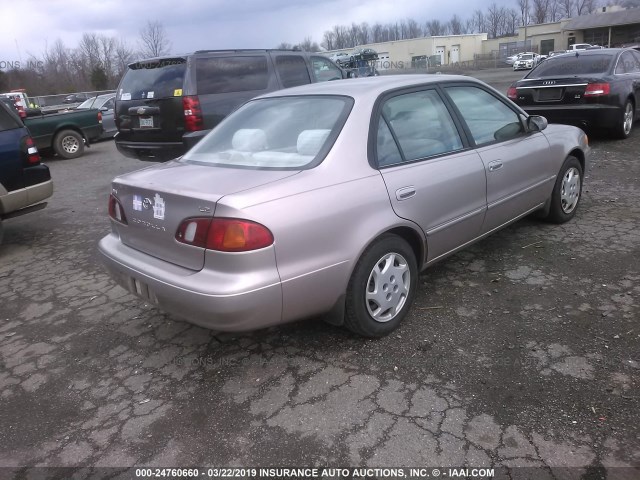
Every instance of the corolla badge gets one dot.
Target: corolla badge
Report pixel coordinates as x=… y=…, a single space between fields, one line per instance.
x=140 y=111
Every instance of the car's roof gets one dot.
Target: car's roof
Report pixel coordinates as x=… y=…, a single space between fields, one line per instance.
x=369 y=86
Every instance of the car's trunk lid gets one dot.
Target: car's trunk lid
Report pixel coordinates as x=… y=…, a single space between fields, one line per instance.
x=157 y=200
x=554 y=90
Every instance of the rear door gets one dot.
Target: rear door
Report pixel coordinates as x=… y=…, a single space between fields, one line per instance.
x=518 y=164
x=149 y=101
x=431 y=178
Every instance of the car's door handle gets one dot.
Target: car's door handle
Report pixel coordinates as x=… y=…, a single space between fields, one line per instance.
x=405 y=192
x=496 y=165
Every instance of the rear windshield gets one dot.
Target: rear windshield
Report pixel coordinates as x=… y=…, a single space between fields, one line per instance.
x=153 y=79
x=573 y=65
x=275 y=133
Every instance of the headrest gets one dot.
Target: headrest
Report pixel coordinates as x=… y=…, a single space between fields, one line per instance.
x=310 y=141
x=249 y=140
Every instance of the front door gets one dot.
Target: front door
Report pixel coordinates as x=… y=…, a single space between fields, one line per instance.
x=518 y=163
x=431 y=178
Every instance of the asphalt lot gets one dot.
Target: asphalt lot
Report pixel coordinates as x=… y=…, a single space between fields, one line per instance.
x=522 y=351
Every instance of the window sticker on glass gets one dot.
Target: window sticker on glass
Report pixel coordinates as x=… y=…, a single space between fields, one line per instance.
x=177 y=92
x=150 y=95
x=125 y=96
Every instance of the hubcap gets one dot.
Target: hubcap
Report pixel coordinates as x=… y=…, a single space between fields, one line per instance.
x=70 y=144
x=388 y=287
x=628 y=119
x=570 y=190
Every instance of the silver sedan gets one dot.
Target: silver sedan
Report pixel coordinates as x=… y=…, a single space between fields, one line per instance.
x=331 y=198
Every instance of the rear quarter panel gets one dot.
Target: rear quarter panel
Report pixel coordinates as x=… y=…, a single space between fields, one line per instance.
x=322 y=220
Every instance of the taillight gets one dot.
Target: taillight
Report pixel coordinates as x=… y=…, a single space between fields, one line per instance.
x=597 y=89
x=512 y=93
x=29 y=150
x=116 y=211
x=192 y=113
x=224 y=234
x=99 y=117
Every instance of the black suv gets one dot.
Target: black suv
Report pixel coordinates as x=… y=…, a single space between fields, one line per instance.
x=164 y=106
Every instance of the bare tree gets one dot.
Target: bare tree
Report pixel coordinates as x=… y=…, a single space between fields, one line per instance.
x=124 y=55
x=308 y=45
x=154 y=41
x=554 y=11
x=567 y=8
x=525 y=11
x=495 y=17
x=435 y=28
x=376 y=32
x=479 y=21
x=511 y=21
x=455 y=25
x=328 y=40
x=585 y=7
x=540 y=10
x=413 y=29
x=364 y=34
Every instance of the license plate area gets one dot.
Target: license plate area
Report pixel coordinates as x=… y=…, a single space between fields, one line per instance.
x=549 y=94
x=146 y=122
x=142 y=290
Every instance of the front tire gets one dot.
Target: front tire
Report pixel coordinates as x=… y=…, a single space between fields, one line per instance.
x=68 y=144
x=382 y=287
x=567 y=191
x=625 y=123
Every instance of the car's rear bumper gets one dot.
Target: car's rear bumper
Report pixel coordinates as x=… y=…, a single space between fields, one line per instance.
x=151 y=151
x=220 y=300
x=584 y=116
x=12 y=203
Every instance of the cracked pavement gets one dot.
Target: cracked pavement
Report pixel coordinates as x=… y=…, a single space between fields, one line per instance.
x=521 y=351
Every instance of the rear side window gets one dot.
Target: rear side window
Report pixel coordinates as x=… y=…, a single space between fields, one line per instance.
x=292 y=70
x=158 y=79
x=231 y=74
x=627 y=64
x=7 y=121
x=576 y=64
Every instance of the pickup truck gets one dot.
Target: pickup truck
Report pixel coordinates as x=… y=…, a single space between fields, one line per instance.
x=25 y=183
x=65 y=133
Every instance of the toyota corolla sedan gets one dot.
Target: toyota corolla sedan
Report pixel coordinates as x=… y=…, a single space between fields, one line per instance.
x=331 y=199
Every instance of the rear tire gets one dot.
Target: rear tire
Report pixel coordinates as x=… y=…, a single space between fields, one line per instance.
x=567 y=191
x=68 y=144
x=625 y=123
x=382 y=287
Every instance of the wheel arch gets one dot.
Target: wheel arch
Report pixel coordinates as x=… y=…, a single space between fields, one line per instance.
x=62 y=128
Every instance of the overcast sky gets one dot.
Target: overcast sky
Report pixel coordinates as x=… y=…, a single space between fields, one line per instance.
x=28 y=26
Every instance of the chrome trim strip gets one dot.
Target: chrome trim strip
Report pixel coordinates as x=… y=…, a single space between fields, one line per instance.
x=554 y=86
x=459 y=219
x=484 y=235
x=513 y=195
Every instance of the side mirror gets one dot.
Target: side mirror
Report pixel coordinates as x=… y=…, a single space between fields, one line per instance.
x=536 y=123
x=104 y=109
